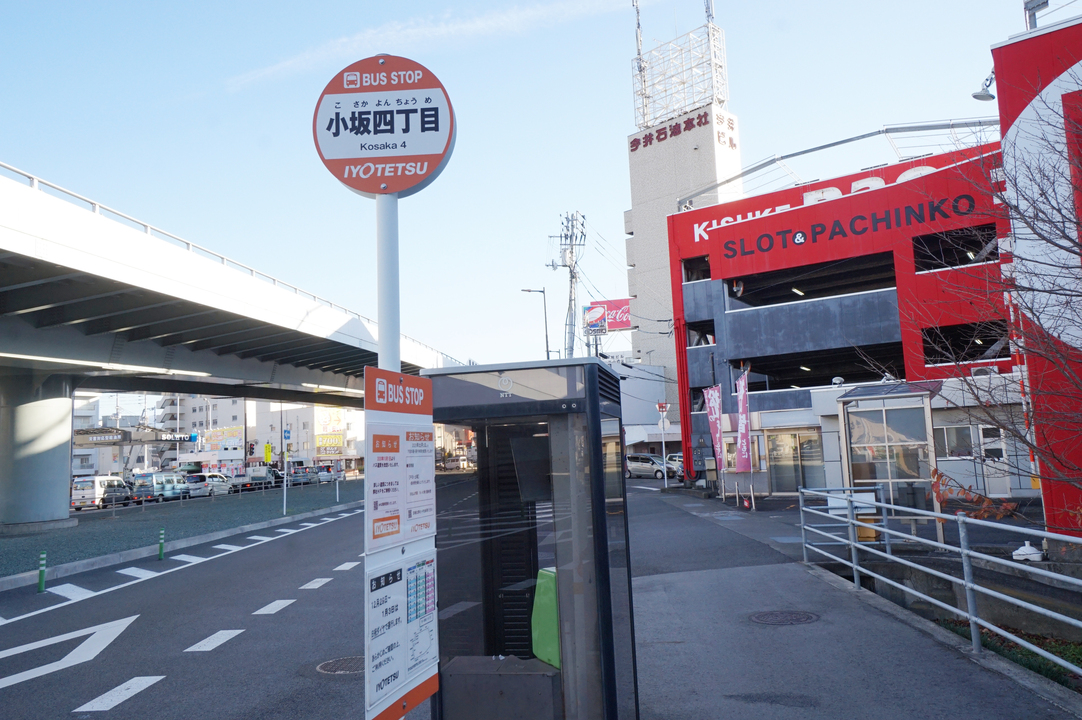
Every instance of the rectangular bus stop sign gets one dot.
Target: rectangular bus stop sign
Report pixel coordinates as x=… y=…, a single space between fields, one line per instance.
x=400 y=608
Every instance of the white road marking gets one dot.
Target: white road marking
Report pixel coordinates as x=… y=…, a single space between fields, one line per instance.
x=643 y=487
x=286 y=531
x=119 y=694
x=317 y=583
x=228 y=547
x=137 y=572
x=273 y=607
x=309 y=524
x=456 y=609
x=100 y=637
x=187 y=558
x=347 y=566
x=214 y=641
x=72 y=592
x=259 y=537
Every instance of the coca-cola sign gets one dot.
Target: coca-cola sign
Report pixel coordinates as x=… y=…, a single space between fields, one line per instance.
x=618 y=313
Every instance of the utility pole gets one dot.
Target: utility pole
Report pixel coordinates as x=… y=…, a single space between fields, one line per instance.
x=572 y=238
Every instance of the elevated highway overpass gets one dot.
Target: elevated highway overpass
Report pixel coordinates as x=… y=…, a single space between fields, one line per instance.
x=91 y=298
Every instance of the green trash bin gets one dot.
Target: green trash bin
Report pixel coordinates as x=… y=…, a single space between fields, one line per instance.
x=545 y=621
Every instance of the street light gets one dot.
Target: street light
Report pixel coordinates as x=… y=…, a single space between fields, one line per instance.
x=545 y=305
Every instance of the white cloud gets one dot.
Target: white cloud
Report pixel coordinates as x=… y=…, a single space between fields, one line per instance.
x=410 y=34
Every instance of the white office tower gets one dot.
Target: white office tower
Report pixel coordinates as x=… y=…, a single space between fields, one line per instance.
x=685 y=154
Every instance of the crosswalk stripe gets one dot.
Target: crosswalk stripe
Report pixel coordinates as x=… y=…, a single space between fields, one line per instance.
x=72 y=592
x=137 y=572
x=214 y=641
x=119 y=694
x=317 y=583
x=273 y=607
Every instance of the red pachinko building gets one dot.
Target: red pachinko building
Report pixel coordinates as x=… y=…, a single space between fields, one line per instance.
x=902 y=320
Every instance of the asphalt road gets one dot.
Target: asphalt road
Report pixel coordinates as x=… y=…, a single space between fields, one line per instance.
x=267 y=670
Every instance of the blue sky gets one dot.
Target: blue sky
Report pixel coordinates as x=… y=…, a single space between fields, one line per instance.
x=196 y=117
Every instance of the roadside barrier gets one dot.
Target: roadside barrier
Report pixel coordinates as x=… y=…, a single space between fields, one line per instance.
x=41 y=572
x=845 y=527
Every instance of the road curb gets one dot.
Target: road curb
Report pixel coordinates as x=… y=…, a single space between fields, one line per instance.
x=1063 y=698
x=30 y=578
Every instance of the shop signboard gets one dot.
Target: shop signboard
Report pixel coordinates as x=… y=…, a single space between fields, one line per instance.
x=595 y=320
x=743 y=426
x=617 y=313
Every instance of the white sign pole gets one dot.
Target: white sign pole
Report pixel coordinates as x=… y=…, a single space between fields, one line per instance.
x=664 y=463
x=387 y=282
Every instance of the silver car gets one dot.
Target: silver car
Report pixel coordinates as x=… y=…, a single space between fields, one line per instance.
x=647 y=466
x=208 y=484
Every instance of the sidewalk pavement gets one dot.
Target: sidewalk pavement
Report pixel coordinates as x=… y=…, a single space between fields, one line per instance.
x=702 y=569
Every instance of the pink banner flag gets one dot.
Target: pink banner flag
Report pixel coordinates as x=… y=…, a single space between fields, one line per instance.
x=712 y=396
x=743 y=426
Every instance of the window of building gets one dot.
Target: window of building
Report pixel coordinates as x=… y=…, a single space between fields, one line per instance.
x=866 y=363
x=696 y=269
x=698 y=400
x=272 y=428
x=305 y=446
x=955 y=248
x=304 y=426
x=200 y=423
x=812 y=282
x=701 y=333
x=234 y=418
x=349 y=426
x=953 y=441
x=214 y=406
x=234 y=401
x=85 y=461
x=969 y=342
x=193 y=423
x=730 y=454
x=795 y=460
x=214 y=422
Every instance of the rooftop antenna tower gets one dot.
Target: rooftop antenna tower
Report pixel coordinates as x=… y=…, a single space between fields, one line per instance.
x=681 y=75
x=572 y=238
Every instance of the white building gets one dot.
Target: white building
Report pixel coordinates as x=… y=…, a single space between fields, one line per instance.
x=311 y=434
x=685 y=154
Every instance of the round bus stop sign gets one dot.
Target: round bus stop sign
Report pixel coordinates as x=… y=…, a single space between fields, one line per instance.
x=384 y=125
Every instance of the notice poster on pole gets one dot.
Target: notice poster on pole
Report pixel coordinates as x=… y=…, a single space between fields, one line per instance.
x=401 y=626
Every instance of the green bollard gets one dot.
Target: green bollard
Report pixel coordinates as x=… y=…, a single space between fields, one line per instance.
x=161 y=544
x=41 y=573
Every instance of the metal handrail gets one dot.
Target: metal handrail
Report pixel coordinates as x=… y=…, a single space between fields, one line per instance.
x=97 y=208
x=967 y=582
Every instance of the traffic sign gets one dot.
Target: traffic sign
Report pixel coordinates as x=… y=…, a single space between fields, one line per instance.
x=384 y=125
x=267 y=451
x=664 y=424
x=285 y=434
x=663 y=408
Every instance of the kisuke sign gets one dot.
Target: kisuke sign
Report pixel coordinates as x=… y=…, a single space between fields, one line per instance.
x=384 y=125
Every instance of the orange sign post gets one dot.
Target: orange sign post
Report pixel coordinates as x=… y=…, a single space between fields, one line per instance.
x=401 y=625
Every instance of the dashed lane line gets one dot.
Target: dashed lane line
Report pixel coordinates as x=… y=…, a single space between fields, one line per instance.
x=137 y=572
x=643 y=487
x=274 y=607
x=228 y=547
x=72 y=592
x=309 y=524
x=317 y=583
x=88 y=594
x=218 y=638
x=286 y=531
x=187 y=558
x=347 y=566
x=119 y=694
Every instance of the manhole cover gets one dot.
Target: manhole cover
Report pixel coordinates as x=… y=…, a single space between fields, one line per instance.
x=343 y=666
x=784 y=617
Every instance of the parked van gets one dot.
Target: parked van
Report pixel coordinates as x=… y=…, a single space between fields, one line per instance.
x=99 y=492
x=157 y=487
x=456 y=462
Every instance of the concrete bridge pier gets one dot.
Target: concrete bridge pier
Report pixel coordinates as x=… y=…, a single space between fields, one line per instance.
x=35 y=450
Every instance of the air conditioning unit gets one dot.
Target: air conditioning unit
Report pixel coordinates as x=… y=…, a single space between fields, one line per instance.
x=985 y=371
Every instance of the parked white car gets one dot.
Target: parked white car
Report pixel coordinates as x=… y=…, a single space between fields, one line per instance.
x=648 y=466
x=207 y=484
